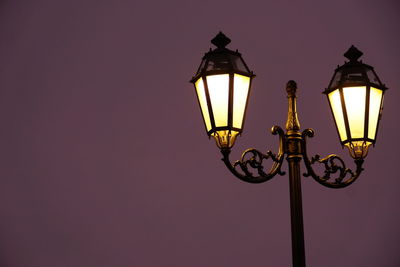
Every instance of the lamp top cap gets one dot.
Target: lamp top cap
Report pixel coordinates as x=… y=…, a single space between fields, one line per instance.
x=220 y=40
x=353 y=54
x=291 y=88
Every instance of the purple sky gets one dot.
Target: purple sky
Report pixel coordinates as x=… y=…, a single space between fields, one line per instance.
x=104 y=160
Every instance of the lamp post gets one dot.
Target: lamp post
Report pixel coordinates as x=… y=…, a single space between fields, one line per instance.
x=355 y=96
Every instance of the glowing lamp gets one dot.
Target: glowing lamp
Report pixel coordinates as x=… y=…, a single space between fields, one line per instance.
x=355 y=96
x=222 y=85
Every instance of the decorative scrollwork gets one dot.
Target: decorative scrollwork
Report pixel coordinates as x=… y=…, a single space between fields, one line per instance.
x=253 y=159
x=334 y=166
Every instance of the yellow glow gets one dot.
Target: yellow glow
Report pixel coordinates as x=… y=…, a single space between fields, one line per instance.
x=354 y=99
x=241 y=89
x=336 y=104
x=375 y=97
x=218 y=88
x=203 y=102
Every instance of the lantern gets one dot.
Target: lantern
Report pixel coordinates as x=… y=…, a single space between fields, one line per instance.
x=355 y=96
x=222 y=85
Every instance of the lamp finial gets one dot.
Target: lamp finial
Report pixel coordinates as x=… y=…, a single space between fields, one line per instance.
x=353 y=54
x=220 y=40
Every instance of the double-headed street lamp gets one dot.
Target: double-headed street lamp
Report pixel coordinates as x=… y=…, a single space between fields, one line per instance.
x=355 y=96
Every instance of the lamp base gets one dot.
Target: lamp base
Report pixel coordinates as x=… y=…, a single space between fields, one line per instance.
x=225 y=138
x=358 y=149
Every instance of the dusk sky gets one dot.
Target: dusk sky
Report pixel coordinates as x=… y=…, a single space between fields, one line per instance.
x=104 y=160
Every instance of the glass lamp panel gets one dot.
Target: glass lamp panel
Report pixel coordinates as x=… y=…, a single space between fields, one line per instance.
x=218 y=88
x=374 y=110
x=336 y=79
x=372 y=77
x=219 y=61
x=241 y=89
x=354 y=99
x=238 y=63
x=203 y=102
x=336 y=105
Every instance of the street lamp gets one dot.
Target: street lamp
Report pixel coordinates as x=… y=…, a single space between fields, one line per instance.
x=355 y=96
x=222 y=85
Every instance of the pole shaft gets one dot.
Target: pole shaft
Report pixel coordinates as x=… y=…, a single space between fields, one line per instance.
x=294 y=155
x=296 y=213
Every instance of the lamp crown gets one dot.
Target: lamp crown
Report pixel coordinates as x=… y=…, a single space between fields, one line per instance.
x=220 y=40
x=353 y=54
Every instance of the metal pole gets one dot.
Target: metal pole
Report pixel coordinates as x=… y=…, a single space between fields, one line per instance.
x=293 y=146
x=296 y=213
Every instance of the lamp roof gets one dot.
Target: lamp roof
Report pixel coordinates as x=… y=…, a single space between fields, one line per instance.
x=222 y=60
x=354 y=73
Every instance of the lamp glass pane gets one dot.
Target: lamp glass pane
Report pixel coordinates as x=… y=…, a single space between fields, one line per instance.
x=336 y=105
x=354 y=99
x=372 y=77
x=218 y=88
x=203 y=102
x=241 y=89
x=374 y=109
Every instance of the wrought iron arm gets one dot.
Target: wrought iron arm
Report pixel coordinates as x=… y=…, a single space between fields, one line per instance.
x=334 y=165
x=252 y=158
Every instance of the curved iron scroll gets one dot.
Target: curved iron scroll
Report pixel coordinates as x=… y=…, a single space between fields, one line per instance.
x=334 y=165
x=252 y=158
